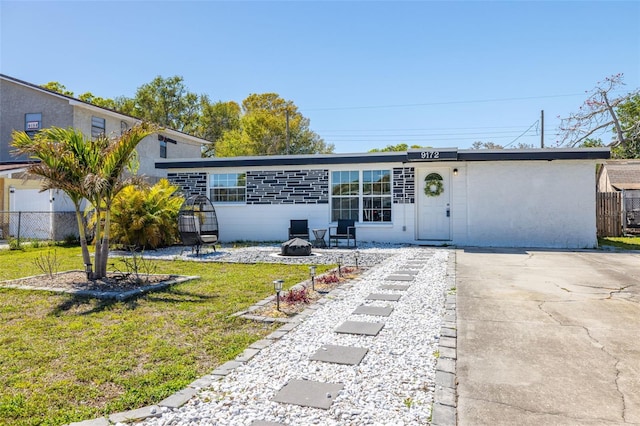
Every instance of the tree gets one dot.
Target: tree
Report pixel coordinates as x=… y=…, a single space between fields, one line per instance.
x=165 y=102
x=216 y=120
x=107 y=179
x=54 y=86
x=62 y=154
x=264 y=131
x=98 y=101
x=395 y=148
x=485 y=145
x=629 y=116
x=598 y=113
x=85 y=168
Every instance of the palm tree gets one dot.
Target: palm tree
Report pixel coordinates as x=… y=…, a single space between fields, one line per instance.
x=108 y=179
x=93 y=169
x=61 y=153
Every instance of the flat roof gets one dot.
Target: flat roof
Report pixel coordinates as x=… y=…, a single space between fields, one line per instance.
x=411 y=156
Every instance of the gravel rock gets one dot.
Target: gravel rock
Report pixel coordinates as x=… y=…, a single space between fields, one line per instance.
x=392 y=385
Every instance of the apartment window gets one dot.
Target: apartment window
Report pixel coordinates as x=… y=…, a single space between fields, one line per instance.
x=228 y=187
x=98 y=127
x=163 y=145
x=361 y=194
x=32 y=123
x=163 y=148
x=376 y=196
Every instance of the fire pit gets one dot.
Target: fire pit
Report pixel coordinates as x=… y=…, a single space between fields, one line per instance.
x=296 y=247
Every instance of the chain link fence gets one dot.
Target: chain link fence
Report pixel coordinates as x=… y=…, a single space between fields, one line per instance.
x=50 y=226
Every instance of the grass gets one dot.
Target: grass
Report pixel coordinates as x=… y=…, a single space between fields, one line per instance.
x=66 y=359
x=625 y=243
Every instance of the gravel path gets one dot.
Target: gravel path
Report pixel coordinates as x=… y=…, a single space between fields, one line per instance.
x=394 y=383
x=368 y=254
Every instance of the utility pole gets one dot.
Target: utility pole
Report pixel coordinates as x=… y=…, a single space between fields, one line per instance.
x=287 y=115
x=542 y=129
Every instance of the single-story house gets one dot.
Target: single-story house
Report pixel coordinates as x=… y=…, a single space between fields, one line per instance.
x=623 y=176
x=499 y=198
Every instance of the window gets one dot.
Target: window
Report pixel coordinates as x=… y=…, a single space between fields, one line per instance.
x=374 y=195
x=345 y=189
x=32 y=123
x=228 y=187
x=163 y=148
x=163 y=144
x=98 y=127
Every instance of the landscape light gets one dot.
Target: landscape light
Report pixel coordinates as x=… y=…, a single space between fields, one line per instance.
x=277 y=286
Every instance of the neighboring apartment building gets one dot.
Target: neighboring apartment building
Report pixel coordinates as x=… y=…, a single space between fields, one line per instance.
x=28 y=107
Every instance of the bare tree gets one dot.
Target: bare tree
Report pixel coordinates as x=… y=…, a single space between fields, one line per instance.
x=596 y=114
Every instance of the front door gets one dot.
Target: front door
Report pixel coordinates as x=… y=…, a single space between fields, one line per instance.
x=434 y=209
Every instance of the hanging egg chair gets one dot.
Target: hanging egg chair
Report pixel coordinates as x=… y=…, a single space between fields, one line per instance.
x=198 y=223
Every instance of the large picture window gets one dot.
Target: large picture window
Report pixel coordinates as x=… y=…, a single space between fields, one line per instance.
x=228 y=187
x=362 y=196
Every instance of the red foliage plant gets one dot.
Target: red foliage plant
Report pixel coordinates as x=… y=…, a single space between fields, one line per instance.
x=328 y=279
x=296 y=296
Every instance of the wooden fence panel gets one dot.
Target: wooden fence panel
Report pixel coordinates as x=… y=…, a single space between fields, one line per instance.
x=609 y=214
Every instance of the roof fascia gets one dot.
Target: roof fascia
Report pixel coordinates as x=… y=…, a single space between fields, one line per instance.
x=387 y=157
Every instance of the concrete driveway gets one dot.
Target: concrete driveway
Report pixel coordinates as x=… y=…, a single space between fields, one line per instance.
x=548 y=337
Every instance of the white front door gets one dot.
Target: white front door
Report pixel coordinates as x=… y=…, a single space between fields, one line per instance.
x=434 y=198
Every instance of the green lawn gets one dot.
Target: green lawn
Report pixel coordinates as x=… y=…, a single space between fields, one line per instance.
x=65 y=359
x=626 y=243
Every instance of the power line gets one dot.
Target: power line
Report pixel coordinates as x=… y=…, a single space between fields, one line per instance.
x=474 y=101
x=440 y=103
x=534 y=124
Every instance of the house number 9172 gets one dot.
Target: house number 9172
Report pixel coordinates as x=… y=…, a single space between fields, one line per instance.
x=426 y=155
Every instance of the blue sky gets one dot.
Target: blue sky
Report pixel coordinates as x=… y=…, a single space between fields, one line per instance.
x=367 y=74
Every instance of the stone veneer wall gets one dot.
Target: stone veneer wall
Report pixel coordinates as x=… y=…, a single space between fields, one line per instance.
x=190 y=183
x=404 y=186
x=288 y=187
x=292 y=186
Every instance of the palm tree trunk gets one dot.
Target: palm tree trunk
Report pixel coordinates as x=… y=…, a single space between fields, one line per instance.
x=105 y=241
x=82 y=232
x=98 y=248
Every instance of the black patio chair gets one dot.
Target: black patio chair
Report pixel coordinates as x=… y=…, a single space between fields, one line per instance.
x=299 y=228
x=346 y=230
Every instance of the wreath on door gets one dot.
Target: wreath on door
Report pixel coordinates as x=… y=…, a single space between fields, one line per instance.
x=433 y=185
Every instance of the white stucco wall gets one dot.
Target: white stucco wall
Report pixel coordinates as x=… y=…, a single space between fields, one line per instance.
x=493 y=204
x=529 y=204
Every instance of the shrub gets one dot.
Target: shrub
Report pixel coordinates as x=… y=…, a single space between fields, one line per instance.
x=296 y=296
x=146 y=217
x=331 y=278
x=48 y=263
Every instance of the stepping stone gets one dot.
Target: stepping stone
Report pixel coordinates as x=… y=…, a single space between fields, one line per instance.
x=360 y=327
x=381 y=311
x=400 y=278
x=400 y=287
x=308 y=393
x=340 y=354
x=384 y=296
x=407 y=272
